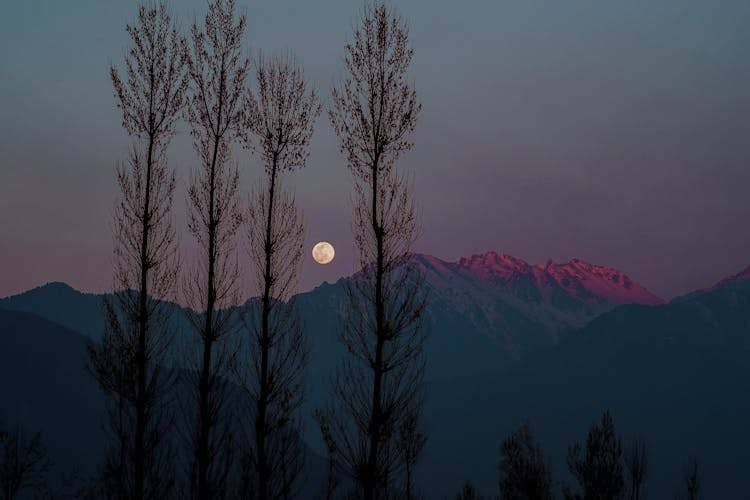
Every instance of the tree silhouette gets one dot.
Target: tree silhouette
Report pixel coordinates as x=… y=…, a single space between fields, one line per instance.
x=332 y=477
x=24 y=463
x=373 y=112
x=598 y=467
x=636 y=462
x=279 y=124
x=217 y=71
x=409 y=444
x=468 y=492
x=692 y=480
x=127 y=364
x=524 y=471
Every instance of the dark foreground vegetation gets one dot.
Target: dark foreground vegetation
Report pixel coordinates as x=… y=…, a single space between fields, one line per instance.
x=603 y=466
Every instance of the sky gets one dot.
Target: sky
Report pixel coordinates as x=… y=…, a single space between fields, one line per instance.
x=613 y=132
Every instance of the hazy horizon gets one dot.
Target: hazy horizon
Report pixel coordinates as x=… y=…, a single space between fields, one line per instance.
x=334 y=280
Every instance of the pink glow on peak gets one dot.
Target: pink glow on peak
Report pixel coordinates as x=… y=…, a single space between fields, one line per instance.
x=740 y=276
x=576 y=277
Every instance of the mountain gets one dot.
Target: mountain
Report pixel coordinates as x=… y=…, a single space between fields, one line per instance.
x=739 y=277
x=484 y=311
x=515 y=305
x=743 y=275
x=78 y=311
x=554 y=344
x=504 y=297
x=676 y=374
x=62 y=304
x=44 y=386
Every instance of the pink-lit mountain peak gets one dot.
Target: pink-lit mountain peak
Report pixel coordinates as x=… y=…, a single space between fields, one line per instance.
x=498 y=263
x=584 y=271
x=576 y=277
x=743 y=275
x=604 y=282
x=492 y=264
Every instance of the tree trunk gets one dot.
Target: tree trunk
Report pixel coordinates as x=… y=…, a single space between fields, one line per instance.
x=140 y=359
x=376 y=417
x=260 y=425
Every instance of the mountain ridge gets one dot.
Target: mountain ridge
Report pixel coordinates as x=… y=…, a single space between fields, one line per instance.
x=517 y=306
x=491 y=288
x=662 y=369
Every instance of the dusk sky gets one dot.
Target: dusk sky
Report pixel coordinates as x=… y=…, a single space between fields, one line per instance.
x=613 y=132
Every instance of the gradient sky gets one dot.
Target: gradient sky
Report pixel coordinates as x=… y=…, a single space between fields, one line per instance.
x=614 y=132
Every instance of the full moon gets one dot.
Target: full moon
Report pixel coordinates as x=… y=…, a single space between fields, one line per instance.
x=323 y=252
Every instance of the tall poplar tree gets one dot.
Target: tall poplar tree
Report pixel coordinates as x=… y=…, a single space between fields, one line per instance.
x=129 y=362
x=217 y=71
x=280 y=117
x=378 y=389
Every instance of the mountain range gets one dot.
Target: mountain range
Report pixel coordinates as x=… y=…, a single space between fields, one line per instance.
x=508 y=341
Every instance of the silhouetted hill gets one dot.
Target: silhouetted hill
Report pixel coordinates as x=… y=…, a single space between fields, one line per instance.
x=482 y=309
x=677 y=374
x=45 y=387
x=62 y=304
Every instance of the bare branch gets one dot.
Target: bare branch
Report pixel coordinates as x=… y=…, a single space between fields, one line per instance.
x=217 y=72
x=278 y=126
x=378 y=393
x=129 y=363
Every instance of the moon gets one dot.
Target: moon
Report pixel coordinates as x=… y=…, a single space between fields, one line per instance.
x=323 y=252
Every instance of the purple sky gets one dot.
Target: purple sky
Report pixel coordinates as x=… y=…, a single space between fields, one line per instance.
x=615 y=132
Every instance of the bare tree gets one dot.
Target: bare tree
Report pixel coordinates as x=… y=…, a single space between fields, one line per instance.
x=279 y=124
x=635 y=457
x=217 y=71
x=692 y=480
x=332 y=477
x=127 y=363
x=410 y=442
x=373 y=112
x=468 y=492
x=598 y=467
x=524 y=470
x=24 y=463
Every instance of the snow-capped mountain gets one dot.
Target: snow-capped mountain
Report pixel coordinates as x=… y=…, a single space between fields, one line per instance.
x=483 y=306
x=588 y=284
x=496 y=292
x=662 y=370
